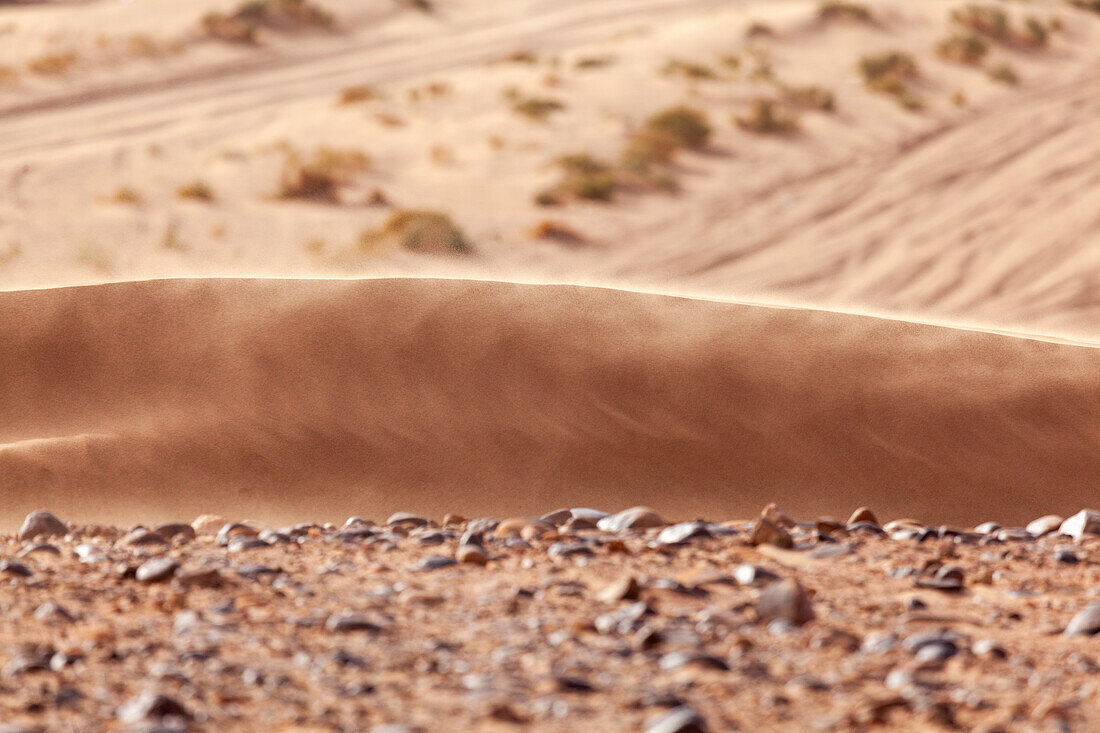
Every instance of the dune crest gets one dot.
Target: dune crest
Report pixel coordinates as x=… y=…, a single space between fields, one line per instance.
x=326 y=397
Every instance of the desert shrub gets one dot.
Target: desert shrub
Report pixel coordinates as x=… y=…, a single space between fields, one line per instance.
x=1004 y=74
x=759 y=30
x=196 y=191
x=1093 y=5
x=812 y=98
x=687 y=126
x=583 y=177
x=418 y=230
x=8 y=75
x=765 y=117
x=890 y=73
x=52 y=64
x=988 y=20
x=556 y=232
x=536 y=108
x=958 y=99
x=690 y=69
x=320 y=177
x=840 y=10
x=731 y=61
x=1034 y=33
x=422 y=5
x=126 y=195
x=963 y=49
x=241 y=25
x=647 y=148
x=521 y=57
x=594 y=62
x=357 y=94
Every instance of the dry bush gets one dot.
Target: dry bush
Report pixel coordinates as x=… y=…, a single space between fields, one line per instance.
x=8 y=75
x=52 y=64
x=320 y=178
x=759 y=30
x=890 y=73
x=584 y=178
x=689 y=69
x=357 y=94
x=241 y=25
x=1004 y=74
x=968 y=49
x=536 y=108
x=840 y=10
x=731 y=61
x=1034 y=34
x=1092 y=5
x=417 y=230
x=593 y=62
x=988 y=20
x=687 y=126
x=556 y=232
x=810 y=98
x=196 y=191
x=127 y=196
x=647 y=148
x=766 y=117
x=521 y=57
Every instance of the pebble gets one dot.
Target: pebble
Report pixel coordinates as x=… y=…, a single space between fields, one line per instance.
x=678 y=534
x=1086 y=622
x=405 y=519
x=175 y=531
x=681 y=719
x=39 y=548
x=987 y=528
x=156 y=570
x=1045 y=525
x=348 y=622
x=558 y=517
x=243 y=543
x=1082 y=523
x=753 y=575
x=435 y=562
x=989 y=648
x=592 y=515
x=41 y=524
x=18 y=569
x=638 y=517
x=767 y=532
x=472 y=554
x=232 y=530
x=151 y=705
x=208 y=524
x=947 y=578
x=678 y=659
x=1069 y=557
x=863 y=514
x=787 y=600
x=562 y=549
x=142 y=537
x=624 y=589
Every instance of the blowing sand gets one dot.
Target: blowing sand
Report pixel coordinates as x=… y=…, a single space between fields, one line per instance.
x=283 y=399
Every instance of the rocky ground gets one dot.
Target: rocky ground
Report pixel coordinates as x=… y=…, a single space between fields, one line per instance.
x=576 y=621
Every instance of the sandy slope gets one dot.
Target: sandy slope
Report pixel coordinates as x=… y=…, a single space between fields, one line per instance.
x=328 y=397
x=983 y=214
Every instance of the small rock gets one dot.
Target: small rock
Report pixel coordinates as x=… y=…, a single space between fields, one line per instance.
x=987 y=528
x=1045 y=525
x=201 y=577
x=638 y=517
x=777 y=516
x=142 y=537
x=624 y=589
x=863 y=514
x=989 y=648
x=557 y=518
x=767 y=532
x=39 y=548
x=405 y=519
x=208 y=524
x=1082 y=523
x=52 y=611
x=592 y=515
x=17 y=569
x=1069 y=557
x=948 y=579
x=562 y=549
x=787 y=600
x=348 y=622
x=678 y=534
x=156 y=570
x=435 y=562
x=566 y=683
x=41 y=524
x=472 y=554
x=678 y=659
x=1086 y=622
x=754 y=575
x=243 y=543
x=175 y=530
x=681 y=719
x=151 y=705
x=233 y=530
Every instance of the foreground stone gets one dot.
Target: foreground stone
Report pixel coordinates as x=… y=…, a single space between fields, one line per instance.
x=575 y=620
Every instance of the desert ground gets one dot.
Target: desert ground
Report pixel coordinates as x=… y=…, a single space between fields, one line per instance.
x=311 y=310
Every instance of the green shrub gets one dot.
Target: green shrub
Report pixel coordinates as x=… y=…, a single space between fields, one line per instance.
x=812 y=98
x=419 y=230
x=689 y=69
x=967 y=49
x=1004 y=74
x=890 y=73
x=687 y=126
x=840 y=10
x=196 y=191
x=535 y=108
x=765 y=117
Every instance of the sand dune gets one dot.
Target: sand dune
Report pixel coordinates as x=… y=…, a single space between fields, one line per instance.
x=325 y=398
